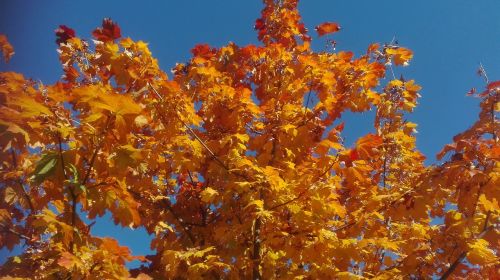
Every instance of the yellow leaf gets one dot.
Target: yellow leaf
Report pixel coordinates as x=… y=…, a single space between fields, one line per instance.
x=273 y=177
x=162 y=226
x=480 y=254
x=29 y=106
x=126 y=155
x=208 y=195
x=400 y=55
x=256 y=204
x=140 y=121
x=489 y=205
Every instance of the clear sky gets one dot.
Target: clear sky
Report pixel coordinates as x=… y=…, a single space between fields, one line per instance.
x=449 y=38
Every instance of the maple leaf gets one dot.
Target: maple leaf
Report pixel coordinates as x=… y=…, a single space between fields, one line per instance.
x=109 y=31
x=400 y=55
x=63 y=34
x=327 y=28
x=480 y=254
x=68 y=260
x=208 y=195
x=236 y=165
x=6 y=48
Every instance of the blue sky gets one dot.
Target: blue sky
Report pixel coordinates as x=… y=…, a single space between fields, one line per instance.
x=449 y=38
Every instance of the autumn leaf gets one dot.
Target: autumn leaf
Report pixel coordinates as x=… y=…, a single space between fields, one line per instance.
x=45 y=167
x=400 y=55
x=480 y=254
x=6 y=48
x=68 y=260
x=235 y=164
x=208 y=195
x=63 y=34
x=367 y=146
x=109 y=31
x=327 y=28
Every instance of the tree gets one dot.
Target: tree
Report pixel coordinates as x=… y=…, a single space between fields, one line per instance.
x=237 y=165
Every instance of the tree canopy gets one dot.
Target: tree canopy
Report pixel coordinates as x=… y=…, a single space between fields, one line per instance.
x=237 y=165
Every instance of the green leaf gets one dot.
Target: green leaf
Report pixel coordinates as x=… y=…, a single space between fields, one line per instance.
x=45 y=167
x=74 y=173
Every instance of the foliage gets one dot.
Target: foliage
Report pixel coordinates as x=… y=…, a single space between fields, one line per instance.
x=237 y=165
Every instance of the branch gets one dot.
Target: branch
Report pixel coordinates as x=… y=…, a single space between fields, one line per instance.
x=18 y=234
x=454 y=265
x=288 y=201
x=74 y=197
x=190 y=130
x=192 y=133
x=256 y=249
x=181 y=223
x=462 y=256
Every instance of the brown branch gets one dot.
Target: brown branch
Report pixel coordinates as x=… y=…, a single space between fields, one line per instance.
x=486 y=220
x=74 y=197
x=181 y=223
x=97 y=185
x=462 y=256
x=256 y=249
x=59 y=141
x=288 y=201
x=94 y=155
x=18 y=234
x=453 y=266
x=191 y=179
x=257 y=240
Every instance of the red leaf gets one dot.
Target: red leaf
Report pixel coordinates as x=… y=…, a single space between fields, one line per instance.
x=340 y=127
x=6 y=48
x=259 y=24
x=63 y=34
x=108 y=32
x=472 y=91
x=203 y=50
x=353 y=155
x=493 y=85
x=327 y=28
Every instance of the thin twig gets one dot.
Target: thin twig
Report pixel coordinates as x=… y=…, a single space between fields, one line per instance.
x=205 y=146
x=181 y=223
x=61 y=155
x=74 y=197
x=18 y=234
x=304 y=191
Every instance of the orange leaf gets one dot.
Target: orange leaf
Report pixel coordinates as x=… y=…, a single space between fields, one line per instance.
x=6 y=48
x=400 y=55
x=67 y=260
x=367 y=146
x=327 y=28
